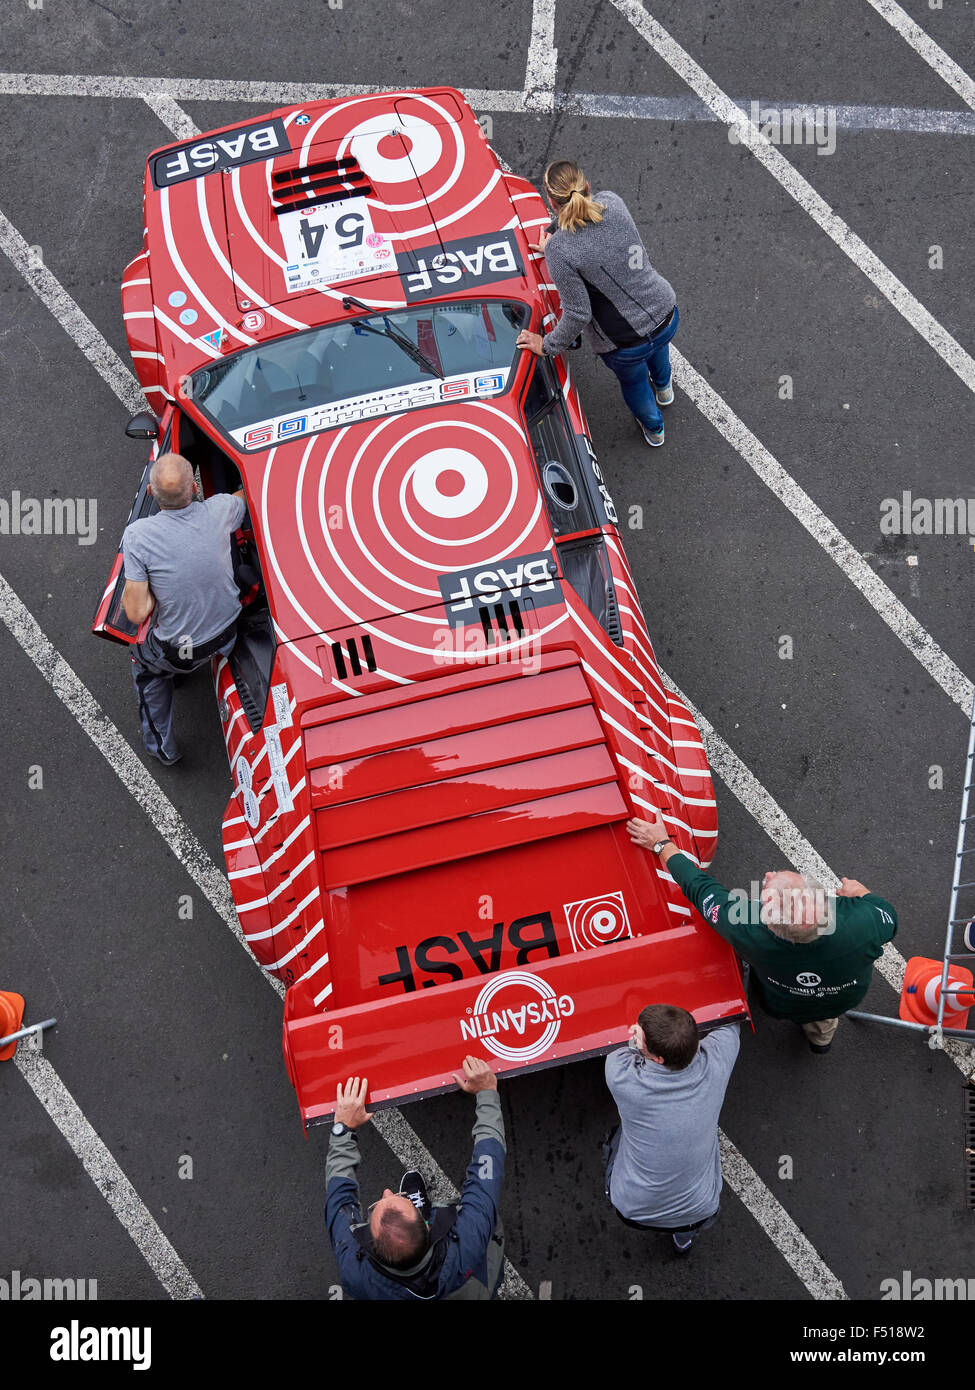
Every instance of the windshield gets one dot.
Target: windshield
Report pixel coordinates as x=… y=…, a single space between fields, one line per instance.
x=363 y=368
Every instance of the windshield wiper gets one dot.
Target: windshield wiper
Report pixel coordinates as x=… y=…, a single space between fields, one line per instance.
x=394 y=335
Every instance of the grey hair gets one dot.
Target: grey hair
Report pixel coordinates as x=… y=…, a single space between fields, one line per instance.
x=174 y=491
x=801 y=914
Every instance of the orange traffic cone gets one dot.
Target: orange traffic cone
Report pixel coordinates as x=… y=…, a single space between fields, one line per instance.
x=11 y=1018
x=922 y=989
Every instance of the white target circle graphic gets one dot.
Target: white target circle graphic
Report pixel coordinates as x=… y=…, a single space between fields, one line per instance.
x=449 y=482
x=420 y=148
x=598 y=921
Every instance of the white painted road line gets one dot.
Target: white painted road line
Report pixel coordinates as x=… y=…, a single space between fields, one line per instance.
x=766 y=812
x=924 y=45
x=105 y=1173
x=802 y=191
x=75 y=323
x=769 y=1212
x=611 y=105
x=80 y=702
x=171 y=115
x=540 y=67
x=885 y=603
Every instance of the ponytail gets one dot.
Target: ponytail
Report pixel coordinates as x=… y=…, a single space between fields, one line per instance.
x=567 y=187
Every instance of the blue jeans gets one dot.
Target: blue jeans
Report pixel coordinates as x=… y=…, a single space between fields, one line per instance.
x=638 y=366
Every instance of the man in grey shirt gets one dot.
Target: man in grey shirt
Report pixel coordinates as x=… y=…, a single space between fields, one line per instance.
x=178 y=565
x=664 y=1166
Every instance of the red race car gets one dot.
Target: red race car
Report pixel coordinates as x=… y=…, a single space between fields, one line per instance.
x=443 y=704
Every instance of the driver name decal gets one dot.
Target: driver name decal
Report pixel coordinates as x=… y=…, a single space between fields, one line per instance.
x=355 y=408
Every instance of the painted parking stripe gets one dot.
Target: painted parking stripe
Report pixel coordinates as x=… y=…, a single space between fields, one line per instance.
x=611 y=105
x=164 y=817
x=769 y=1212
x=540 y=64
x=106 y=1174
x=899 y=619
x=923 y=44
x=799 y=188
x=75 y=323
x=765 y=810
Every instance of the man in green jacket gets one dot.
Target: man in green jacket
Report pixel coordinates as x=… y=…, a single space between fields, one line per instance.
x=812 y=956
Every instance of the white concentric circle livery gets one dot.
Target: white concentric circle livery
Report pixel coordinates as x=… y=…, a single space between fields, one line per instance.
x=415 y=154
x=374 y=526
x=505 y=1007
x=449 y=482
x=599 y=921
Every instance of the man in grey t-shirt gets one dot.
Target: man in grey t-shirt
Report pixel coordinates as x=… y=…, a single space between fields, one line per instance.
x=178 y=565
x=664 y=1167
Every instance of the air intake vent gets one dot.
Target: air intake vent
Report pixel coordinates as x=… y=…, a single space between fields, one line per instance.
x=357 y=658
x=502 y=621
x=326 y=182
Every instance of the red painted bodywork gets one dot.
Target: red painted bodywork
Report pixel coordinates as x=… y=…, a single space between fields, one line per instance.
x=439 y=862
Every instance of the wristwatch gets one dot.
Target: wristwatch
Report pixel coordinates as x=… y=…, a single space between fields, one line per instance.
x=658 y=845
x=339 y=1128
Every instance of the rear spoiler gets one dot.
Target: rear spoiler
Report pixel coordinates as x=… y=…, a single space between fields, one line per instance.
x=562 y=1010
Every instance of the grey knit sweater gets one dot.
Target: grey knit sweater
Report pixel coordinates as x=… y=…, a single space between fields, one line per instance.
x=611 y=255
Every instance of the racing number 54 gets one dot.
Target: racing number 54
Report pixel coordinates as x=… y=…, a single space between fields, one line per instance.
x=350 y=226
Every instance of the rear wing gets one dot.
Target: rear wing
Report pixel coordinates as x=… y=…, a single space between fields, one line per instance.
x=561 y=1010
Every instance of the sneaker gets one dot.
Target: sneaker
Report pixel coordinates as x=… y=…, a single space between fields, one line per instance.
x=415 y=1188
x=654 y=440
x=664 y=394
x=683 y=1240
x=167 y=759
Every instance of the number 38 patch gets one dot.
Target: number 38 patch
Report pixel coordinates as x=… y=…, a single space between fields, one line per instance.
x=331 y=242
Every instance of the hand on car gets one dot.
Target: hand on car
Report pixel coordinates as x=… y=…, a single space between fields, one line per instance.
x=350 y=1103
x=531 y=341
x=543 y=240
x=647 y=833
x=476 y=1076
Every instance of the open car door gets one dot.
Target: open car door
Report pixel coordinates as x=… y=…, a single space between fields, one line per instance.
x=110 y=620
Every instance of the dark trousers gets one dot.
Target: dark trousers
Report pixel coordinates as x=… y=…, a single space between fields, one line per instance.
x=152 y=676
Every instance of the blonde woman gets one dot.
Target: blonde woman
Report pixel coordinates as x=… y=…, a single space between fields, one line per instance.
x=610 y=291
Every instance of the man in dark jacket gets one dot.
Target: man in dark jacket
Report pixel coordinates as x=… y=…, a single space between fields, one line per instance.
x=409 y=1249
x=813 y=958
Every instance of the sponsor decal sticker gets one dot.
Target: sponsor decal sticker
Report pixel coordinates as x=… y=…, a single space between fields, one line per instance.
x=330 y=243
x=595 y=922
x=244 y=144
x=188 y=316
x=252 y=807
x=253 y=321
x=377 y=403
x=177 y=299
x=517 y=1016
x=462 y=265
x=532 y=576
x=214 y=338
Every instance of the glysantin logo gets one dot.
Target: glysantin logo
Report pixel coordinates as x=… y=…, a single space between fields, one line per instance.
x=525 y=1025
x=77 y=1343
x=597 y=921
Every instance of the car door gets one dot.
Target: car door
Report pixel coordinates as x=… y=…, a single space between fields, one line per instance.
x=110 y=620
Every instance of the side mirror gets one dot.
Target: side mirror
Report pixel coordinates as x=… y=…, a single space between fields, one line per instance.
x=143 y=426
